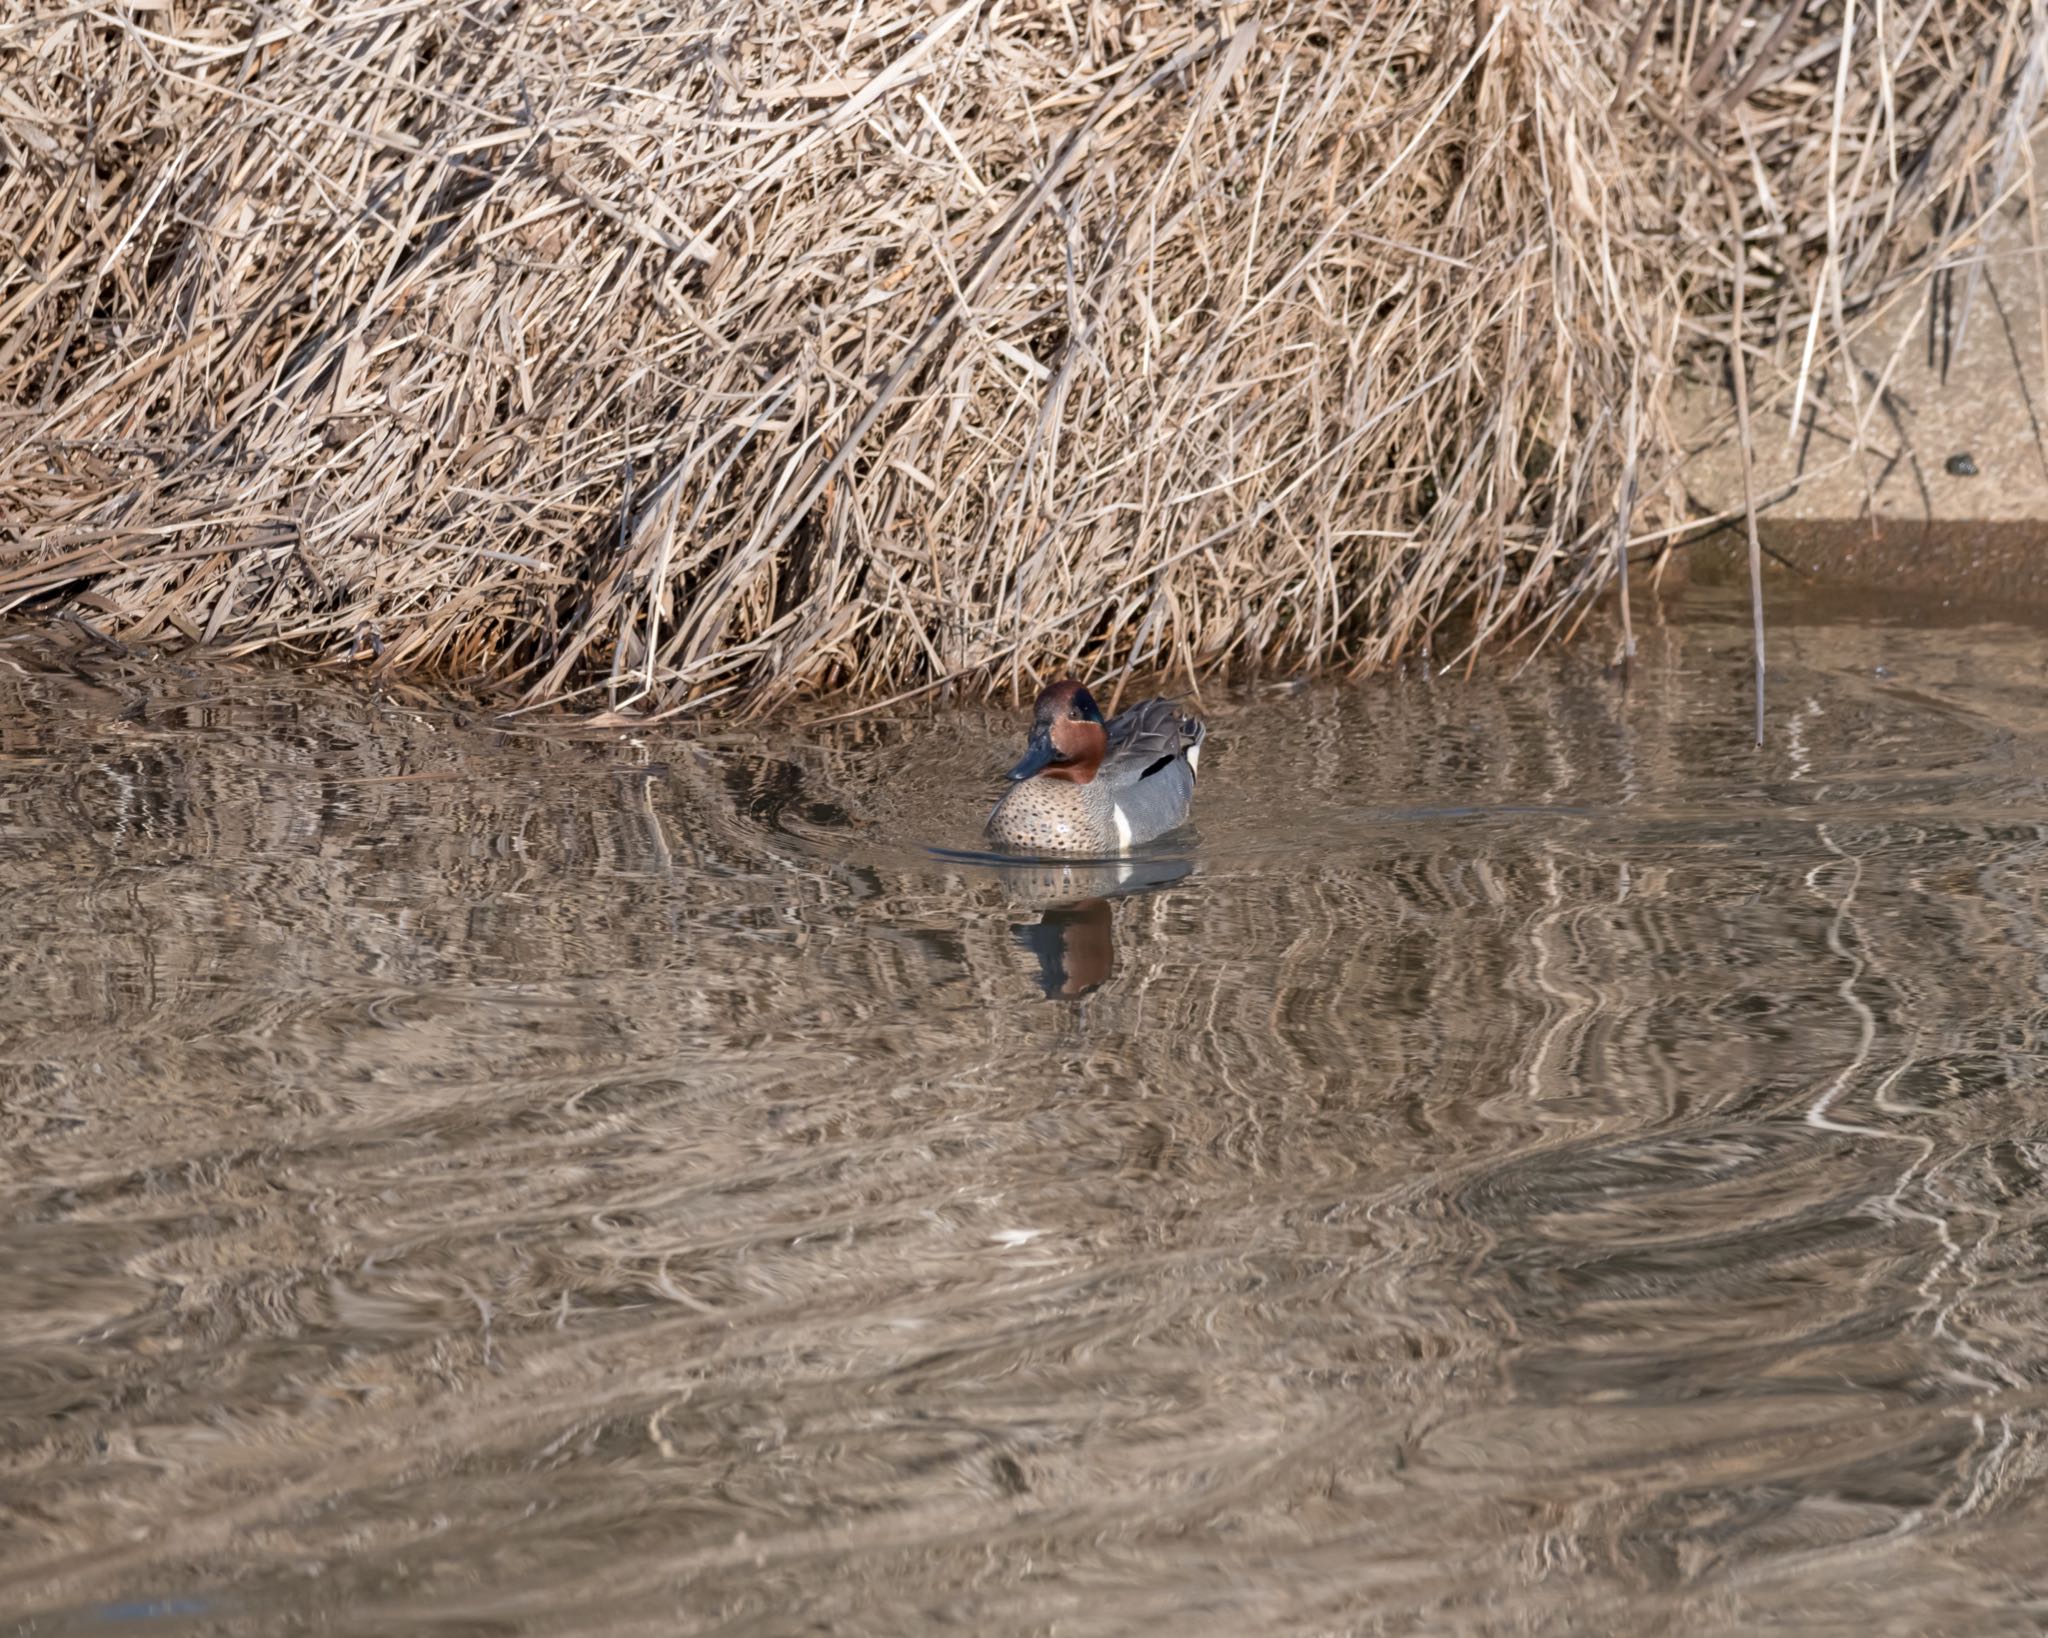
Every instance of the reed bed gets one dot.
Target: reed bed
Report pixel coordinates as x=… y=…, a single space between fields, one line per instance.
x=649 y=362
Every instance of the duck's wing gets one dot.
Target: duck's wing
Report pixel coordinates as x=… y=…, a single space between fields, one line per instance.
x=1147 y=739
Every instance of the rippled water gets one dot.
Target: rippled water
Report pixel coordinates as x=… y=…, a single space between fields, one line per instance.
x=1531 y=1162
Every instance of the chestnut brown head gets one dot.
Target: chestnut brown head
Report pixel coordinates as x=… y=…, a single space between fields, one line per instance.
x=1068 y=738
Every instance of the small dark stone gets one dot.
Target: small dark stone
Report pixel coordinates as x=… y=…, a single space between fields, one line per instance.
x=1961 y=466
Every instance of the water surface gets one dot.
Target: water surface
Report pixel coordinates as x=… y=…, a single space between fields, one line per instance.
x=1528 y=1162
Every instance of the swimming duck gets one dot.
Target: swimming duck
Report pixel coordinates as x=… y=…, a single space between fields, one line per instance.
x=1095 y=787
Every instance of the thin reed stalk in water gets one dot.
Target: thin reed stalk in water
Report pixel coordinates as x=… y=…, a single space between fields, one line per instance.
x=1738 y=371
x=1624 y=514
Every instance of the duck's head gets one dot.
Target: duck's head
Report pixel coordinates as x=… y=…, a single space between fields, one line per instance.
x=1068 y=739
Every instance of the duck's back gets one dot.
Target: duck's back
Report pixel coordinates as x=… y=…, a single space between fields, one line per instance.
x=1149 y=774
x=1147 y=739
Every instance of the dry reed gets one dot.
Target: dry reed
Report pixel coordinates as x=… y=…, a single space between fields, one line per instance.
x=652 y=362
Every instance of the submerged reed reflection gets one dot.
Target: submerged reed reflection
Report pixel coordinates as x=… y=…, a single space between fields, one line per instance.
x=1559 y=1170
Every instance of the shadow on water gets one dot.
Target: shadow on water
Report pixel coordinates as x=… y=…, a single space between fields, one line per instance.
x=1527 y=1162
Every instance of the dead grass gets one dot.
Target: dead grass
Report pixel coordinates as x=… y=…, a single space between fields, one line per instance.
x=649 y=363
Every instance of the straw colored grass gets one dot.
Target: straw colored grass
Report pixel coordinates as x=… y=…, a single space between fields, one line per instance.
x=650 y=362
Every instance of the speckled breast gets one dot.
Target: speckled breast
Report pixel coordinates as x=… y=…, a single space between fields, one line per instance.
x=1052 y=816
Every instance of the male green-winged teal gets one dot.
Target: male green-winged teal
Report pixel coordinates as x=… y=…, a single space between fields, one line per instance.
x=1095 y=787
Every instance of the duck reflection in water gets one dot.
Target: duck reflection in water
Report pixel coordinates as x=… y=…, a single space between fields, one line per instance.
x=1074 y=934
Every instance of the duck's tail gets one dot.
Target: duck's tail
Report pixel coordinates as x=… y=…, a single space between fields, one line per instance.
x=1193 y=730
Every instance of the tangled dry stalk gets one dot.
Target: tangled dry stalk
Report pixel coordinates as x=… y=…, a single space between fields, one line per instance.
x=649 y=362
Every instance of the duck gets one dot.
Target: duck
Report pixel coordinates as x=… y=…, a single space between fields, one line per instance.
x=1087 y=786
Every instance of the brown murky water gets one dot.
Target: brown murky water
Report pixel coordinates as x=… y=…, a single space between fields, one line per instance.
x=1531 y=1163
